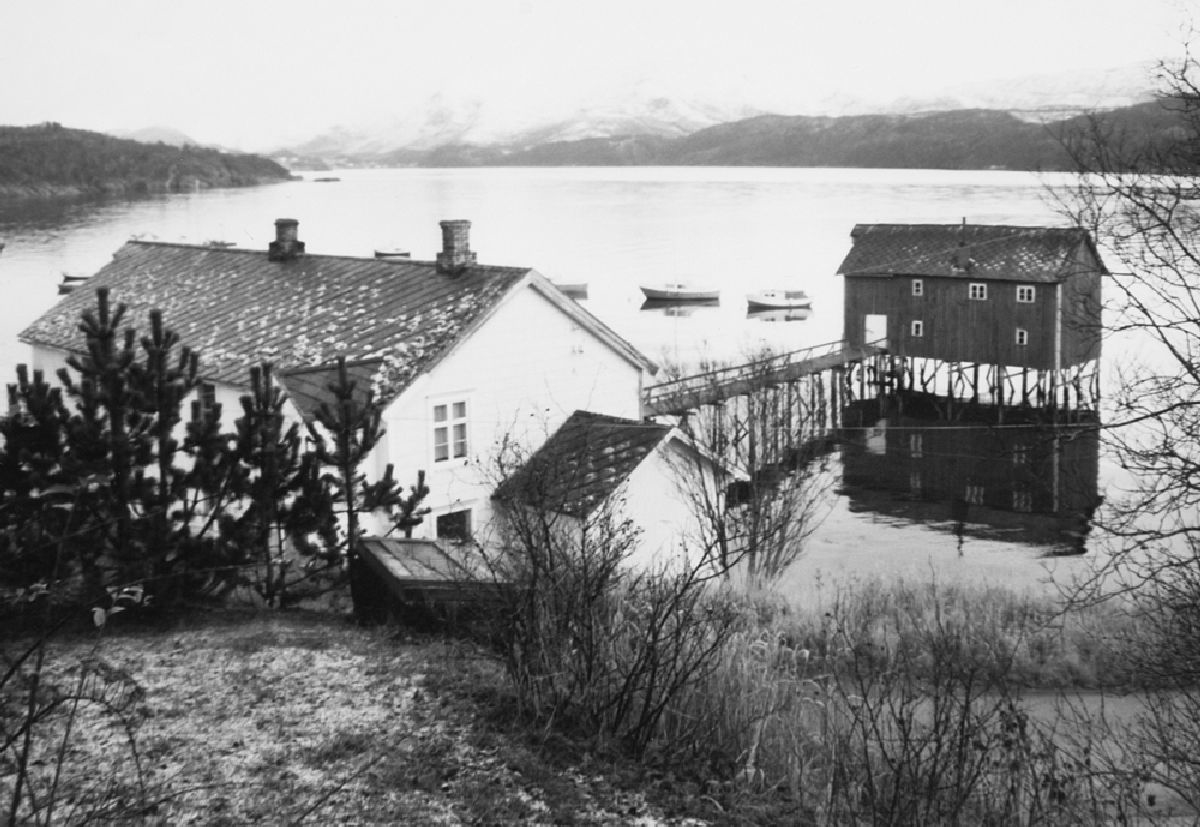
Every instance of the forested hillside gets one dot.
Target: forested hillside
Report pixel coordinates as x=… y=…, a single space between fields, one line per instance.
x=52 y=160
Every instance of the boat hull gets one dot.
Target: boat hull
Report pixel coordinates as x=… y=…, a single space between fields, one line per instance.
x=668 y=294
x=778 y=300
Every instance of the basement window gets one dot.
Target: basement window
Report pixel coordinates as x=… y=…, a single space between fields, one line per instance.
x=977 y=291
x=449 y=431
x=918 y=287
x=1025 y=293
x=1022 y=336
x=918 y=328
x=454 y=525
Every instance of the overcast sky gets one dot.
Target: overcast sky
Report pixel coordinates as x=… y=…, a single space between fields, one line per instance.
x=253 y=73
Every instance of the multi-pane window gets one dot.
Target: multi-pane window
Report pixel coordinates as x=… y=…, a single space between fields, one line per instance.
x=918 y=328
x=977 y=290
x=1022 y=500
x=918 y=287
x=1025 y=293
x=1022 y=336
x=974 y=494
x=914 y=482
x=1020 y=455
x=449 y=431
x=205 y=403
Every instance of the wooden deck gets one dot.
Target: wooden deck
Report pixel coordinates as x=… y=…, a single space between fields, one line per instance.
x=690 y=392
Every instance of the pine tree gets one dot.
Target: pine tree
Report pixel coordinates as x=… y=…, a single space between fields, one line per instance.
x=351 y=429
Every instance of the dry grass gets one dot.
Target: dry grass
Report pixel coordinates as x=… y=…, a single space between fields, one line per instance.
x=294 y=718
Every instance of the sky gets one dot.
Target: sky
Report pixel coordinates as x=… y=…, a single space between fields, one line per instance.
x=255 y=74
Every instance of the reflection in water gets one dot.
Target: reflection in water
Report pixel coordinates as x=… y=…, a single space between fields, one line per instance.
x=678 y=307
x=798 y=314
x=1028 y=483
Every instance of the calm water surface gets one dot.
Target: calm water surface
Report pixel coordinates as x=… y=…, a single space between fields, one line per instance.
x=740 y=229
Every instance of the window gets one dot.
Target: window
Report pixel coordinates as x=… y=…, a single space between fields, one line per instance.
x=454 y=525
x=914 y=482
x=916 y=443
x=1022 y=336
x=449 y=431
x=974 y=494
x=918 y=328
x=1025 y=293
x=205 y=403
x=977 y=291
x=918 y=287
x=1020 y=455
x=1022 y=501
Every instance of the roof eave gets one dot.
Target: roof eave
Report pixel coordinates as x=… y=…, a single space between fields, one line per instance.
x=599 y=329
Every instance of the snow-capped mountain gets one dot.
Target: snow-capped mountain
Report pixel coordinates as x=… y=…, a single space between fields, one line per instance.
x=443 y=120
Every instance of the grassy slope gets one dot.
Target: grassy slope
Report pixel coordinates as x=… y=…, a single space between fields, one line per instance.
x=289 y=718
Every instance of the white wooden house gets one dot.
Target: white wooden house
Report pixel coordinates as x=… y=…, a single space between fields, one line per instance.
x=598 y=471
x=463 y=355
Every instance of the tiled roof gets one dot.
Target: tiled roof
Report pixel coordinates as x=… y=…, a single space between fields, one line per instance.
x=582 y=463
x=309 y=388
x=1033 y=254
x=237 y=308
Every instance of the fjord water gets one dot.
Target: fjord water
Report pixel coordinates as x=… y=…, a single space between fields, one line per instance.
x=738 y=229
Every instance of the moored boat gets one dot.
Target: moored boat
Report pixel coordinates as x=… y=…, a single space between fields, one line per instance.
x=577 y=290
x=778 y=300
x=327 y=179
x=69 y=283
x=678 y=291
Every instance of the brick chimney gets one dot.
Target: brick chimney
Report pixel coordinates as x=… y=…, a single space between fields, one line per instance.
x=286 y=245
x=456 y=252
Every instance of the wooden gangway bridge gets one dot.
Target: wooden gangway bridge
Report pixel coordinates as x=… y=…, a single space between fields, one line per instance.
x=688 y=393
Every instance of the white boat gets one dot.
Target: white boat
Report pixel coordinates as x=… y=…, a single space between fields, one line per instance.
x=778 y=300
x=393 y=255
x=679 y=292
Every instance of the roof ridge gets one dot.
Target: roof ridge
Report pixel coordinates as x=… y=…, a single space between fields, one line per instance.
x=408 y=262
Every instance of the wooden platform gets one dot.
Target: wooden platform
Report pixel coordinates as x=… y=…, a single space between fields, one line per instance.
x=690 y=392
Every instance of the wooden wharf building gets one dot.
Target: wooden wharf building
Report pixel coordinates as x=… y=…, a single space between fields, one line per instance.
x=994 y=315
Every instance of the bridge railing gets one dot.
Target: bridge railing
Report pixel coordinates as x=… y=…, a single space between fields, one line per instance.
x=711 y=382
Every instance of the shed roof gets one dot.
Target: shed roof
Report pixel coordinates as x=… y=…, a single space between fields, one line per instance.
x=237 y=308
x=981 y=251
x=582 y=463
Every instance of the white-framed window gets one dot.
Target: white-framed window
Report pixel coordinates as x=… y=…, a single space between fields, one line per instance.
x=1020 y=455
x=918 y=287
x=1025 y=293
x=918 y=328
x=974 y=494
x=916 y=442
x=454 y=525
x=1022 y=336
x=977 y=290
x=914 y=482
x=450 y=430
